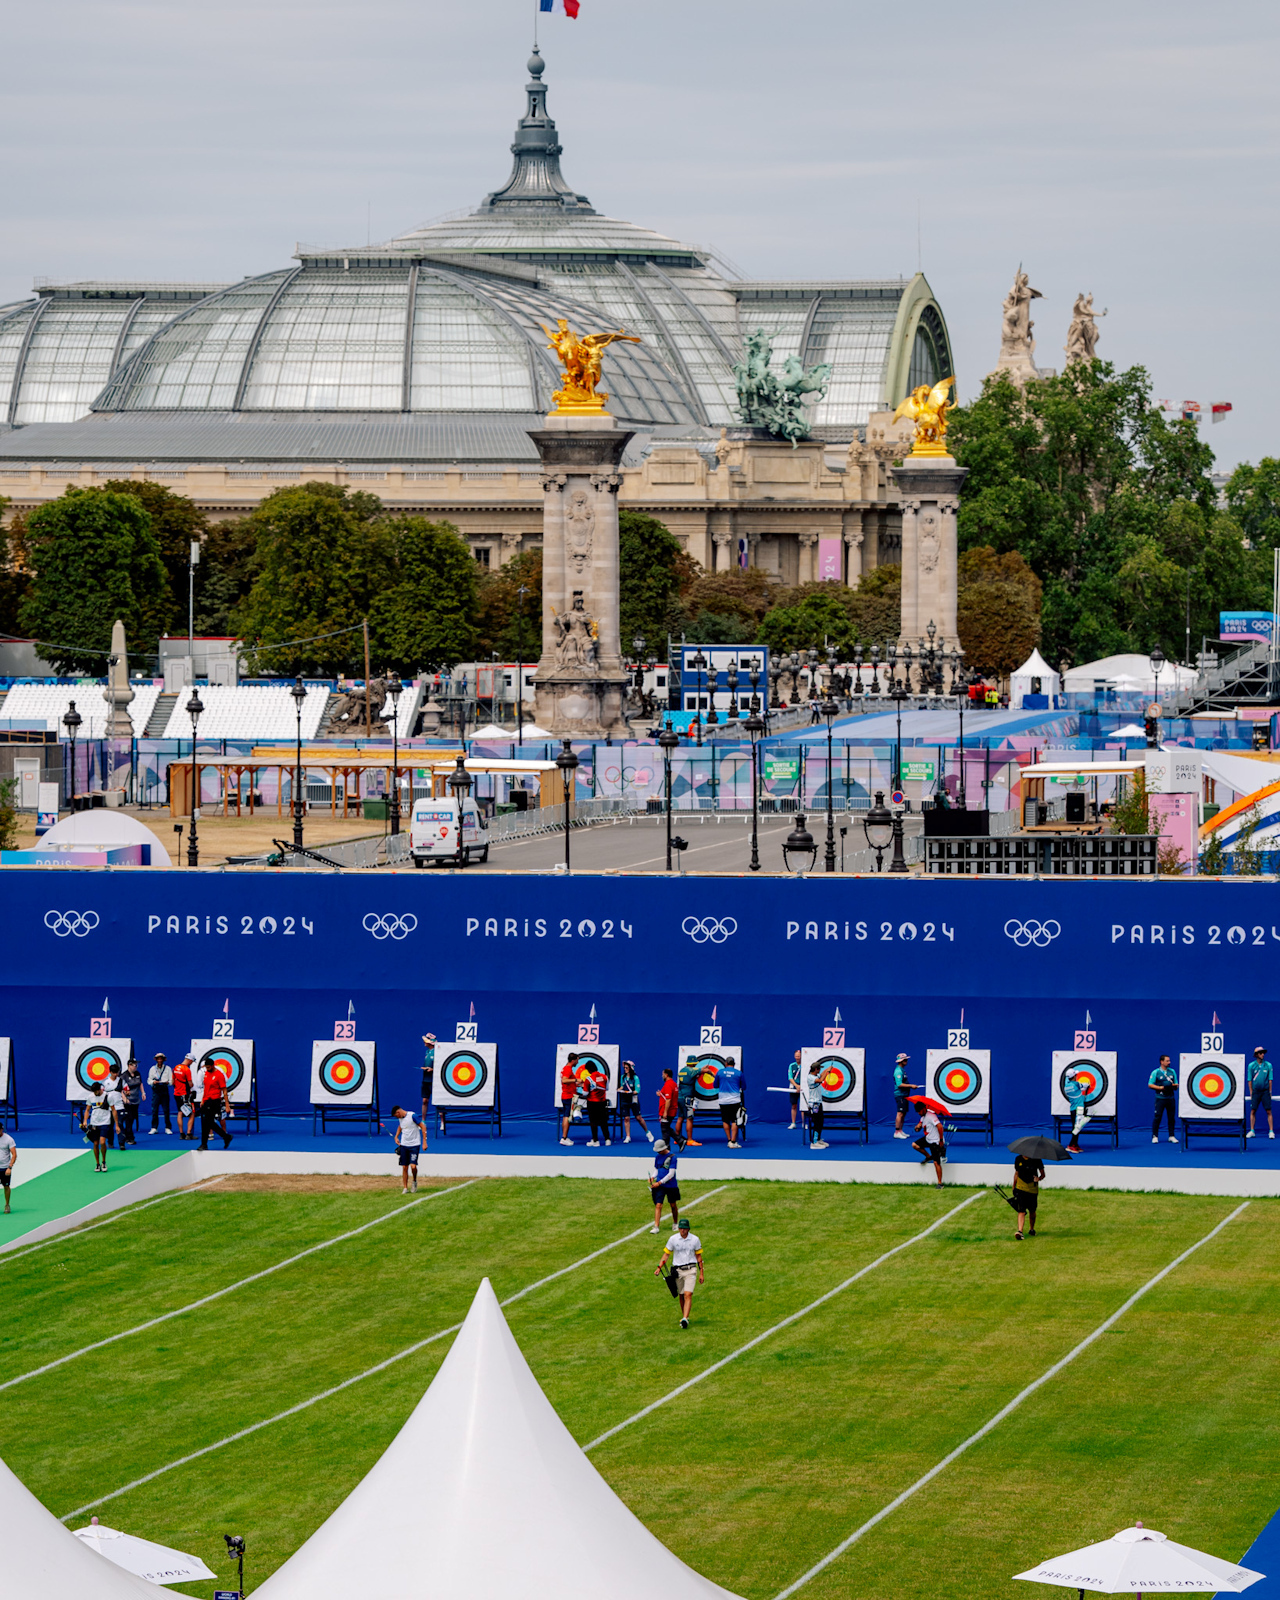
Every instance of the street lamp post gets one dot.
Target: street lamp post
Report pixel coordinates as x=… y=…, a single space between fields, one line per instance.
x=699 y=665
x=299 y=694
x=754 y=726
x=460 y=783
x=567 y=761
x=898 y=694
x=668 y=740
x=395 y=689
x=899 y=862
x=800 y=844
x=194 y=708
x=731 y=678
x=71 y=723
x=830 y=710
x=1158 y=660
x=877 y=825
x=520 y=594
x=962 y=801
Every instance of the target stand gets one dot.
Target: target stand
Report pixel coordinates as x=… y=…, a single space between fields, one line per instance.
x=344 y=1083
x=1108 y=1126
x=706 y=1097
x=960 y=1079
x=467 y=1088
x=844 y=1090
x=8 y=1086
x=1096 y=1072
x=90 y=1061
x=236 y=1060
x=1211 y=1098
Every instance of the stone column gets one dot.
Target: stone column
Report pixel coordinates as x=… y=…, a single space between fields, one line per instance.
x=853 y=540
x=808 y=557
x=580 y=683
x=510 y=548
x=930 y=487
x=722 y=559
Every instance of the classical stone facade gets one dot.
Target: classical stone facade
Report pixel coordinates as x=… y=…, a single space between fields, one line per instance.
x=930 y=490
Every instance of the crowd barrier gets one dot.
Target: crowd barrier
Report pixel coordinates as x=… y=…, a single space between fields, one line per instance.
x=1017 y=967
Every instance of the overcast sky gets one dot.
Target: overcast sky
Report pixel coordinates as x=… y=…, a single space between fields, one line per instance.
x=1125 y=148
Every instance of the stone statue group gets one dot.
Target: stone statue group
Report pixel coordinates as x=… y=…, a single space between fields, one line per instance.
x=1017 y=347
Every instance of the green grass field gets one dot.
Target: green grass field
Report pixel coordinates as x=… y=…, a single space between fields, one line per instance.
x=754 y=1474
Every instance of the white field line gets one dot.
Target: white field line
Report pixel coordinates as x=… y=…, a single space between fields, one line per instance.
x=231 y=1288
x=1004 y=1411
x=785 y=1323
x=116 y=1216
x=370 y=1372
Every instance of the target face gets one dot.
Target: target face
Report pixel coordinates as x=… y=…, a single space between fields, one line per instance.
x=961 y=1080
x=91 y=1061
x=233 y=1059
x=595 y=1058
x=466 y=1075
x=709 y=1063
x=341 y=1074
x=6 y=1064
x=843 y=1085
x=1211 y=1087
x=1096 y=1072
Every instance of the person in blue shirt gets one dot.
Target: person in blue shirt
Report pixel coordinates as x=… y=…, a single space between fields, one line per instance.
x=664 y=1184
x=629 y=1101
x=729 y=1086
x=1164 y=1080
x=793 y=1084
x=1074 y=1092
x=1260 y=1091
x=901 y=1094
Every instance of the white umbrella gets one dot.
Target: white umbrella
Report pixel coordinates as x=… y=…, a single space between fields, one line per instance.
x=155 y=1562
x=1140 y=1560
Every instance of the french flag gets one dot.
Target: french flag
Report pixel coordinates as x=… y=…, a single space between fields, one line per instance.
x=566 y=8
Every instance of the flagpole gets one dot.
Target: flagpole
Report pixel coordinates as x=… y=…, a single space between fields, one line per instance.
x=535 y=27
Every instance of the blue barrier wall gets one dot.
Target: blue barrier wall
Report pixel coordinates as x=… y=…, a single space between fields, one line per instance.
x=1151 y=962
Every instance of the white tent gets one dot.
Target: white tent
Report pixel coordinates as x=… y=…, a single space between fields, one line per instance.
x=1127 y=672
x=102 y=829
x=1034 y=667
x=492 y=734
x=156 y=1562
x=1143 y=1561
x=484 y=1495
x=42 y=1558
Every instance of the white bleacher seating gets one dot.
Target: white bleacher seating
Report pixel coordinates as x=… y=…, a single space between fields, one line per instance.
x=47 y=703
x=249 y=713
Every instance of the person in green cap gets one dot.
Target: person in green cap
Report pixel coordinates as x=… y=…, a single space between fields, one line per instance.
x=686 y=1092
x=685 y=1250
x=901 y=1094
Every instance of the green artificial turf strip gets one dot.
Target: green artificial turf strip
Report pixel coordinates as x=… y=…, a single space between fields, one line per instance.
x=75 y=1184
x=780 y=1455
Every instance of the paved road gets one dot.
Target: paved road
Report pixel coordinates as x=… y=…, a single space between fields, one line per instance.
x=640 y=846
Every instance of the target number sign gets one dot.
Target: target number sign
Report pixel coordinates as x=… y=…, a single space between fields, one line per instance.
x=1086 y=1039
x=342 y=1072
x=466 y=1074
x=843 y=1079
x=1211 y=1086
x=833 y=1038
x=233 y=1060
x=588 y=1033
x=709 y=1063
x=346 y=1029
x=1211 y=1044
x=6 y=1066
x=99 y=1027
x=1095 y=1072
x=960 y=1078
x=466 y=1032
x=90 y=1062
x=711 y=1035
x=957 y=1038
x=594 y=1058
x=224 y=1028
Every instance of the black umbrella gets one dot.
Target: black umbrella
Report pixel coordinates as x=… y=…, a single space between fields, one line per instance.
x=1040 y=1148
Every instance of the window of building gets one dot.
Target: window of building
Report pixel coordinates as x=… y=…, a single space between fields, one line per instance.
x=481 y=553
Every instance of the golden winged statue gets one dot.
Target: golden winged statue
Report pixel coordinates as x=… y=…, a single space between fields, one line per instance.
x=580 y=358
x=928 y=409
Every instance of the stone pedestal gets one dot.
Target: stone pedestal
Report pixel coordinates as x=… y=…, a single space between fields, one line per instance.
x=118 y=694
x=930 y=490
x=580 y=685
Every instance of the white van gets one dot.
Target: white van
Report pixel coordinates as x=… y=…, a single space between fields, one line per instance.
x=433 y=832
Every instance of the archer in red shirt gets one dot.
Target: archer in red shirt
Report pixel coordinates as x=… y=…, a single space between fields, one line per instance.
x=183 y=1093
x=568 y=1088
x=597 y=1086
x=214 y=1106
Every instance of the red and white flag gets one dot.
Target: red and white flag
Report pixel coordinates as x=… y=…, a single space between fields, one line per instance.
x=1218 y=410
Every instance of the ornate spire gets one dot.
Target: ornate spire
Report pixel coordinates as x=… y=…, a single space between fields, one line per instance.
x=535 y=176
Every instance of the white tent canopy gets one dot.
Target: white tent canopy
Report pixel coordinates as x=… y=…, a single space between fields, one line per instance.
x=1143 y=1561
x=496 y=735
x=1035 y=667
x=1131 y=672
x=484 y=1495
x=155 y=1562
x=102 y=829
x=42 y=1558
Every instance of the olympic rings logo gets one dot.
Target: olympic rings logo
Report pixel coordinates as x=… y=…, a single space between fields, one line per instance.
x=709 y=930
x=1039 y=934
x=78 y=923
x=390 y=926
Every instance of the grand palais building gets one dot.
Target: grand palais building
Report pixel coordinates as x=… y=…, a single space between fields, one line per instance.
x=415 y=368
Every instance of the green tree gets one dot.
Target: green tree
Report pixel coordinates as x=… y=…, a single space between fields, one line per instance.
x=322 y=558
x=426 y=619
x=95 y=558
x=175 y=521
x=1077 y=473
x=15 y=580
x=509 y=624
x=810 y=618
x=1253 y=499
x=225 y=574
x=653 y=570
x=722 y=607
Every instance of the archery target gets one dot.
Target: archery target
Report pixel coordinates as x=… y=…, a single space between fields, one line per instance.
x=843 y=1084
x=1096 y=1070
x=341 y=1074
x=710 y=1060
x=1211 y=1087
x=235 y=1059
x=466 y=1075
x=596 y=1058
x=960 y=1079
x=6 y=1066
x=90 y=1061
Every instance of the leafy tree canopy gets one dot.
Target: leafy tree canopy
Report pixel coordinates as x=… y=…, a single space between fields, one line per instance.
x=508 y=623
x=95 y=558
x=425 y=619
x=15 y=580
x=653 y=570
x=1253 y=499
x=175 y=521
